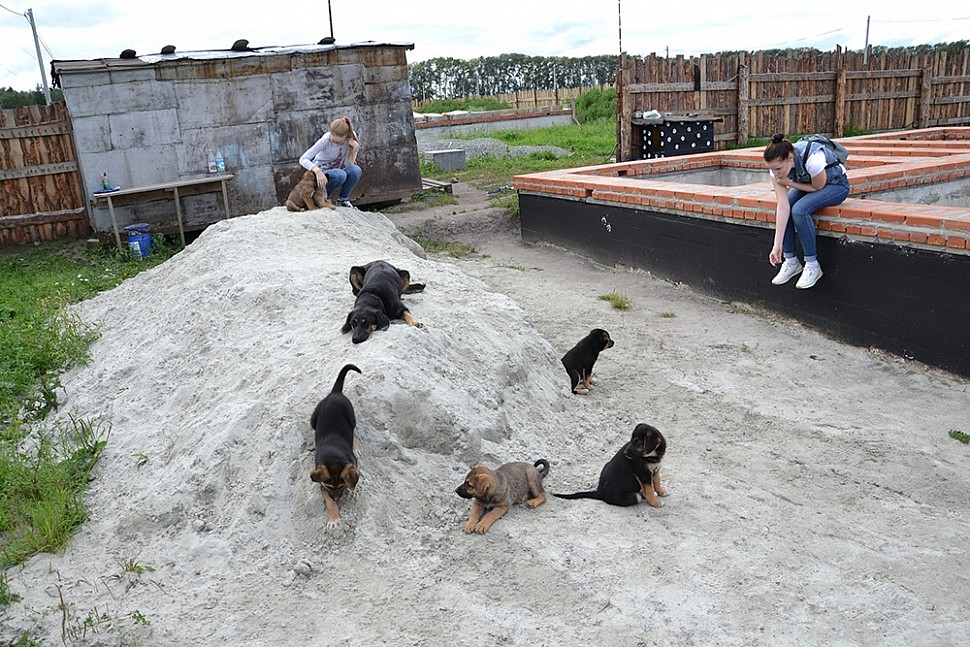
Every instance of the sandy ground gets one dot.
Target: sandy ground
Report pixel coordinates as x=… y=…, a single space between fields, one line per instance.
x=815 y=496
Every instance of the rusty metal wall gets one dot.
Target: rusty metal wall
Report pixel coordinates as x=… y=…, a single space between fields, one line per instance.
x=148 y=122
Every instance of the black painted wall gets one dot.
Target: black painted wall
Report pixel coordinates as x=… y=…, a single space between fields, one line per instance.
x=911 y=302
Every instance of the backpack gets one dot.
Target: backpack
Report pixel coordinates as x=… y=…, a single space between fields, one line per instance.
x=835 y=149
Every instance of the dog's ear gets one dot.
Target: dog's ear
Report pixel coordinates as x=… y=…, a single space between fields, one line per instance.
x=383 y=323
x=320 y=474
x=350 y=475
x=482 y=482
x=357 y=278
x=346 y=327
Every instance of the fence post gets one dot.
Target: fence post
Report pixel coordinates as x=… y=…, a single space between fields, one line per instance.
x=839 y=125
x=743 y=78
x=624 y=121
x=924 y=98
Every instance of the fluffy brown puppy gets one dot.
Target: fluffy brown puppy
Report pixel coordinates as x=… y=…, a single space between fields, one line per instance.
x=581 y=357
x=307 y=195
x=335 y=464
x=494 y=491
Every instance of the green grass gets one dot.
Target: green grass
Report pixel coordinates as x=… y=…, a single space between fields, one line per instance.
x=423 y=200
x=616 y=300
x=480 y=104
x=961 y=436
x=43 y=481
x=445 y=247
x=589 y=145
x=45 y=468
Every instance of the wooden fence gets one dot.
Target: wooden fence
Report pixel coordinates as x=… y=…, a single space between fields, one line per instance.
x=756 y=95
x=40 y=190
x=533 y=98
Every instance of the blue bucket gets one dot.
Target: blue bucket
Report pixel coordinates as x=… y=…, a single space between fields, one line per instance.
x=139 y=239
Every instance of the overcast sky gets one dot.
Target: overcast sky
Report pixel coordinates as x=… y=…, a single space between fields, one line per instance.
x=82 y=29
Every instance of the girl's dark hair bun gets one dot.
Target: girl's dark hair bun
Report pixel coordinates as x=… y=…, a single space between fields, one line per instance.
x=777 y=138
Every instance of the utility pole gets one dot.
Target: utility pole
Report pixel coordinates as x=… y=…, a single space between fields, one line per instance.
x=619 y=25
x=865 y=52
x=40 y=59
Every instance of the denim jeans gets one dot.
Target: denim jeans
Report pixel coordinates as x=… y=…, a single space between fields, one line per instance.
x=803 y=205
x=342 y=177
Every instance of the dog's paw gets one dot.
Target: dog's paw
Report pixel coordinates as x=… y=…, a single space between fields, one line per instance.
x=580 y=391
x=592 y=380
x=469 y=528
x=481 y=527
x=333 y=523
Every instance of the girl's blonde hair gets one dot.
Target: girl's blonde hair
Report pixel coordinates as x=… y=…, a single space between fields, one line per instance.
x=342 y=127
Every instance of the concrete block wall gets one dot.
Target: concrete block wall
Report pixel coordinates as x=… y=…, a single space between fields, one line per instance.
x=145 y=122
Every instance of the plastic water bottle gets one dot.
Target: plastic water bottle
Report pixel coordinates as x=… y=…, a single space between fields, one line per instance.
x=212 y=162
x=220 y=162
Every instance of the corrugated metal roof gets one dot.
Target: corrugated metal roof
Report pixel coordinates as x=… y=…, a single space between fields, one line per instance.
x=88 y=65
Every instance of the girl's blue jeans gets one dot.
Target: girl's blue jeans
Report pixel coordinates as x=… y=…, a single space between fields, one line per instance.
x=803 y=205
x=342 y=177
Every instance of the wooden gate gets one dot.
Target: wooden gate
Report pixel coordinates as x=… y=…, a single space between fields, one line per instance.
x=40 y=190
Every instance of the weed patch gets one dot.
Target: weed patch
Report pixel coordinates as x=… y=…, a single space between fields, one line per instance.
x=616 y=300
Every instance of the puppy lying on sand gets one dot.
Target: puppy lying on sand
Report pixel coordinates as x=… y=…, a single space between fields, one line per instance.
x=494 y=491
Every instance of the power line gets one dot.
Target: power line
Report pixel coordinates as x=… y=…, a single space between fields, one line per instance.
x=16 y=13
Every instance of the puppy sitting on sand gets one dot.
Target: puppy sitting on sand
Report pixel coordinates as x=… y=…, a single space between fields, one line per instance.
x=494 y=491
x=307 y=195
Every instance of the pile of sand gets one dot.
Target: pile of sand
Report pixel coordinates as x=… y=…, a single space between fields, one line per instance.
x=814 y=500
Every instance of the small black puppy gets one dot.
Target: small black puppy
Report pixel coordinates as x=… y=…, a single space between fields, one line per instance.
x=378 y=287
x=335 y=464
x=633 y=471
x=581 y=357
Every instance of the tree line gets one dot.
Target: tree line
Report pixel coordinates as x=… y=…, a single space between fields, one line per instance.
x=450 y=78
x=10 y=98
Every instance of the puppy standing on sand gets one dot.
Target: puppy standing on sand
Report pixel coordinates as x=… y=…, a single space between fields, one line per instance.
x=581 y=357
x=335 y=464
x=494 y=491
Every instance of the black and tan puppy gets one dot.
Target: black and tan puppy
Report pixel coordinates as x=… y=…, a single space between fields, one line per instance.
x=335 y=464
x=307 y=195
x=378 y=287
x=581 y=357
x=633 y=472
x=494 y=491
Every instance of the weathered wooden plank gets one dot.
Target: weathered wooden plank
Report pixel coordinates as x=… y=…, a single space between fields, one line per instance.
x=42 y=130
x=38 y=171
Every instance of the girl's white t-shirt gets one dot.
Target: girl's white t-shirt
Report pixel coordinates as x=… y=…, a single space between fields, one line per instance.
x=815 y=163
x=325 y=154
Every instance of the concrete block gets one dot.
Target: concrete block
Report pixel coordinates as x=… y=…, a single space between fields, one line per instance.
x=447 y=160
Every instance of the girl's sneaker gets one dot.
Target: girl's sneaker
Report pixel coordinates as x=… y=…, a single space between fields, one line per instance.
x=787 y=271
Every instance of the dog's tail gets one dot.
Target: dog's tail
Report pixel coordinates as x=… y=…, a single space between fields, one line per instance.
x=338 y=386
x=543 y=466
x=592 y=494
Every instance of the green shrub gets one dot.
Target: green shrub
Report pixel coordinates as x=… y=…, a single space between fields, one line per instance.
x=596 y=105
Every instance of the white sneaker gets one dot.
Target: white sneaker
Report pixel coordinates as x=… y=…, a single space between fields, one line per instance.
x=787 y=271
x=809 y=277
